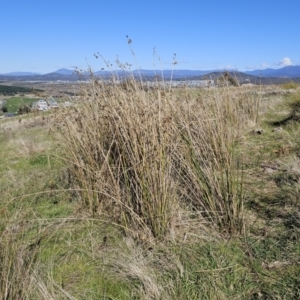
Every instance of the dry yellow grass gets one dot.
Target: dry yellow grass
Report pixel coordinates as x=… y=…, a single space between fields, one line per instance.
x=141 y=156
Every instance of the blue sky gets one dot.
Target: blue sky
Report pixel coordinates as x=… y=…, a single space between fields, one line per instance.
x=45 y=35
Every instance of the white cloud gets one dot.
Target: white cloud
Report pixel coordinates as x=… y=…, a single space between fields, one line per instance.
x=230 y=67
x=226 y=67
x=258 y=67
x=285 y=62
x=264 y=65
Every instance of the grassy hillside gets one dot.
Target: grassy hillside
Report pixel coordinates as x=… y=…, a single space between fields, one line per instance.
x=180 y=194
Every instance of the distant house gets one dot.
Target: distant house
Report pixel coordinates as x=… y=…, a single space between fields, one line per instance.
x=40 y=105
x=52 y=103
x=43 y=105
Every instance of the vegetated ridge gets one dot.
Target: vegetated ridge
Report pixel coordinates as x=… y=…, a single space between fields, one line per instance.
x=12 y=90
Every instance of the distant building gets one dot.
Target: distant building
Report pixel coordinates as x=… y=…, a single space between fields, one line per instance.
x=40 y=105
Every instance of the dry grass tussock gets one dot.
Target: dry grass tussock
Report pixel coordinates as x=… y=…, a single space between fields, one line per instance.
x=23 y=274
x=147 y=157
x=16 y=265
x=140 y=266
x=19 y=250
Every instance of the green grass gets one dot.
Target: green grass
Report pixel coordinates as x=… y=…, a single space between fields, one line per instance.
x=13 y=104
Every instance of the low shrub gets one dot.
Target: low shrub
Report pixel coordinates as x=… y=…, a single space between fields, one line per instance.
x=290 y=85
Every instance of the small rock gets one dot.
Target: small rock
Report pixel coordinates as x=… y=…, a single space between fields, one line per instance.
x=257 y=131
x=278 y=264
x=269 y=170
x=277 y=129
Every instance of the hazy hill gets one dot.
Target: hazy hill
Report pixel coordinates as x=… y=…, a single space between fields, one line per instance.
x=64 y=72
x=289 y=72
x=247 y=78
x=172 y=73
x=240 y=76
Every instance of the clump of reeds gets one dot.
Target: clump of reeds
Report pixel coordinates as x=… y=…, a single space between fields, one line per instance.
x=142 y=155
x=211 y=167
x=119 y=142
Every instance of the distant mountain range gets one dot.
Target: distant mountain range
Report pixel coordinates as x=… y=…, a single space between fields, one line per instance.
x=287 y=72
x=20 y=74
x=265 y=76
